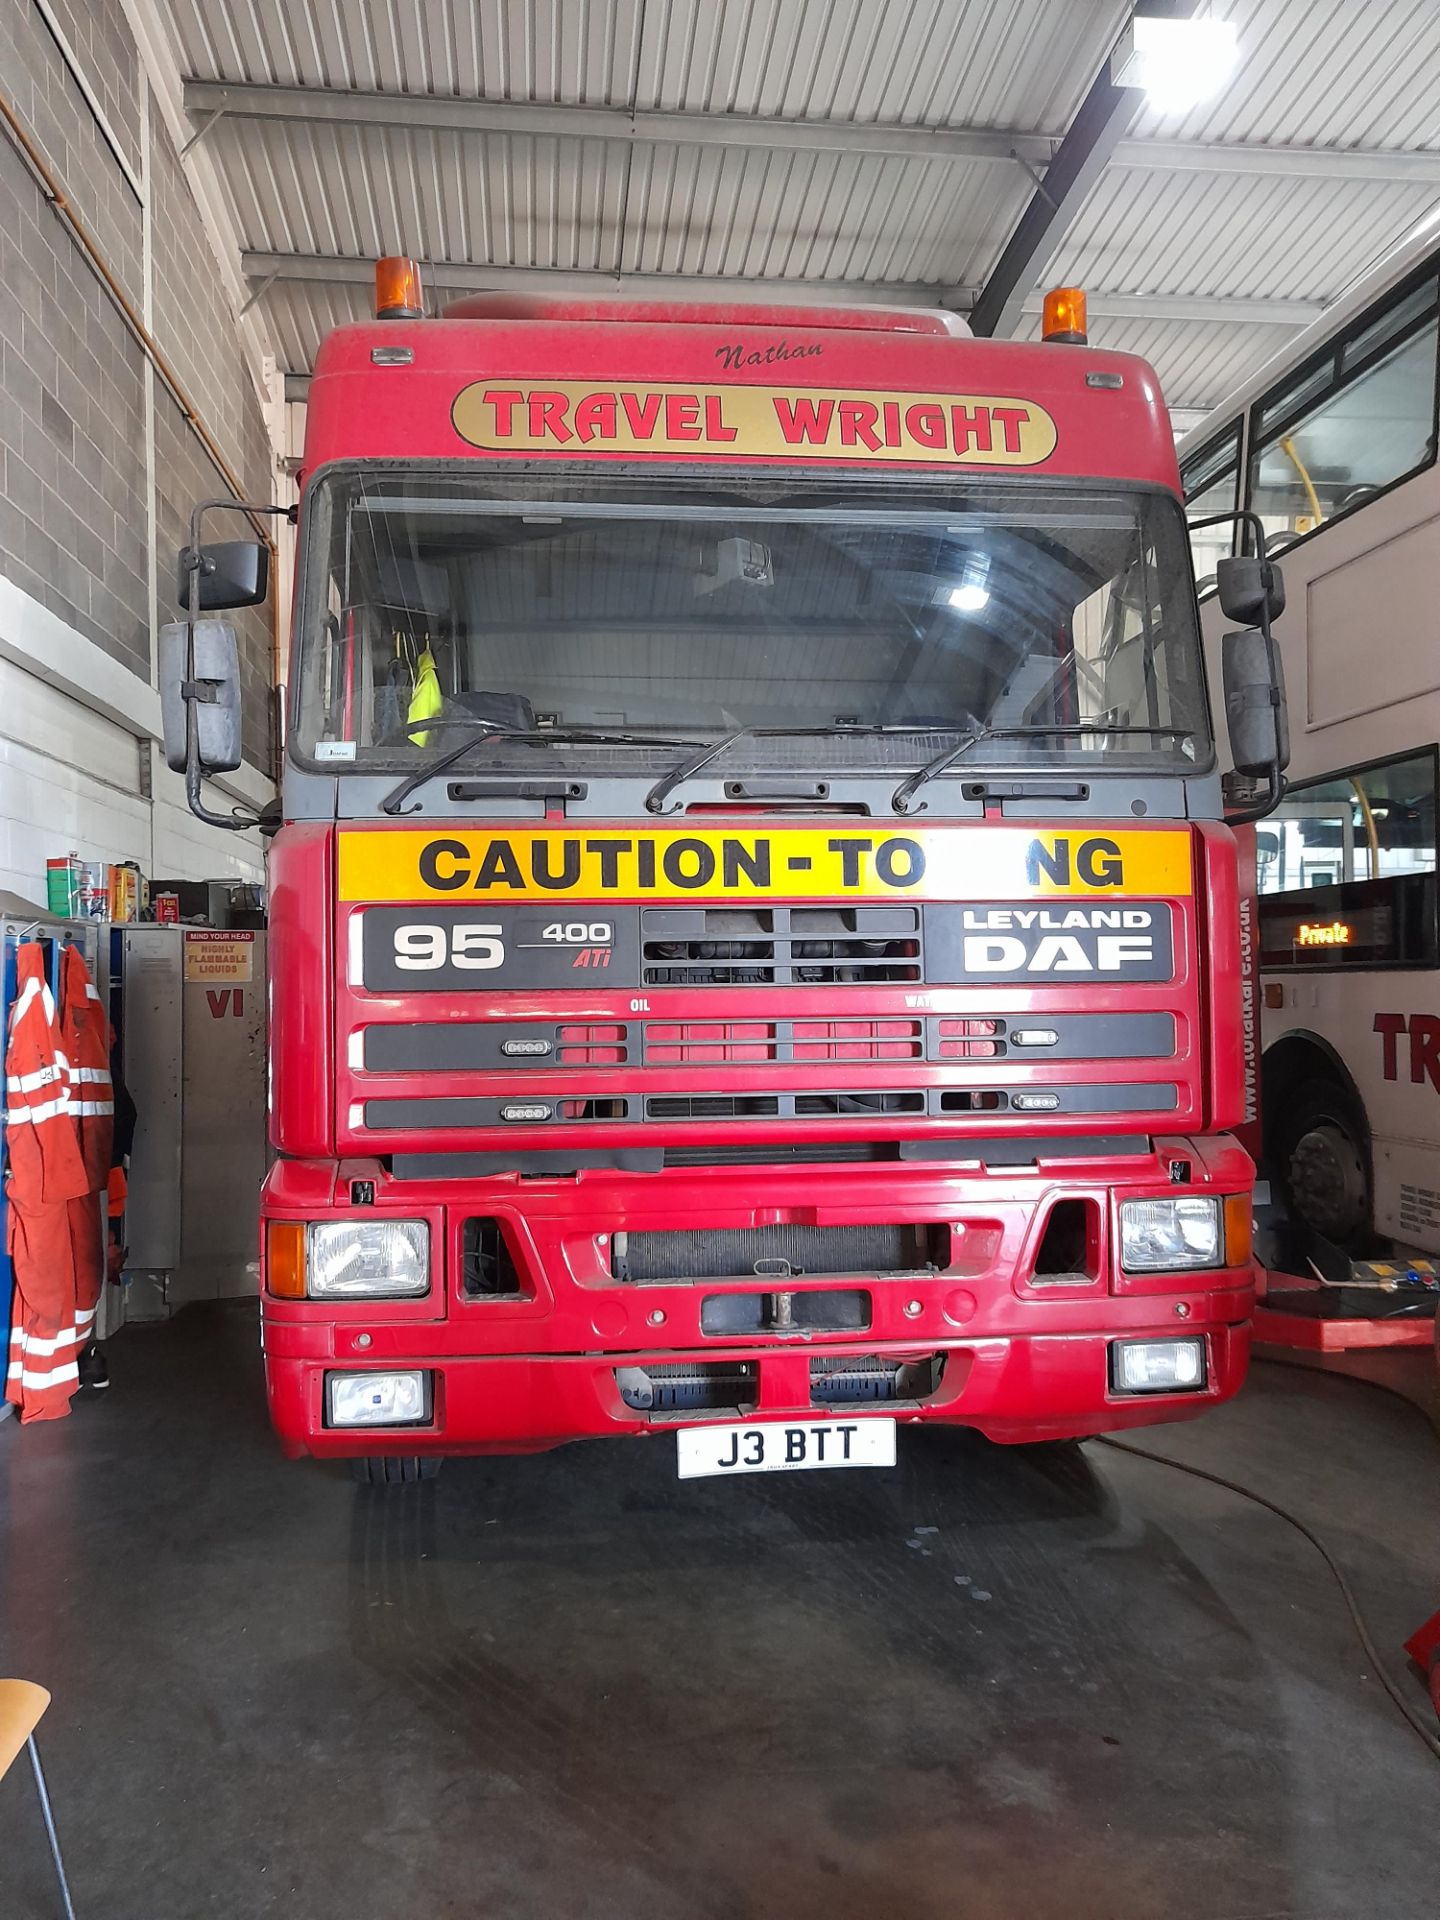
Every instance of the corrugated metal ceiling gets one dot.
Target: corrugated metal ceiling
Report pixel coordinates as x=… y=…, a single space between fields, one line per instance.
x=1330 y=76
x=1020 y=64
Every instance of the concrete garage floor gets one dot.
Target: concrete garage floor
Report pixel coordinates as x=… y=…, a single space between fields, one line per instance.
x=979 y=1685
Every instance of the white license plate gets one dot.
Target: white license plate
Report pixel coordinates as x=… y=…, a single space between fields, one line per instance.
x=787 y=1446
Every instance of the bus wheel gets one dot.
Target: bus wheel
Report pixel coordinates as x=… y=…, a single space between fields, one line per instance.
x=387 y=1470
x=1323 y=1163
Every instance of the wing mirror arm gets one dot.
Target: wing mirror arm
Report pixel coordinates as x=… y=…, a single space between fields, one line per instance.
x=210 y=702
x=1251 y=590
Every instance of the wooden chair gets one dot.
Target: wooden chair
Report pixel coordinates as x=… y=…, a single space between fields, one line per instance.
x=22 y=1704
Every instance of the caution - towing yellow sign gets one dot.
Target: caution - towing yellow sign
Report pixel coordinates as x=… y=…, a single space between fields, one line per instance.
x=781 y=863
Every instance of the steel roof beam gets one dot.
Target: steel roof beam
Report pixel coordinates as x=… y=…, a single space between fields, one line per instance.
x=465 y=276
x=435 y=113
x=1315 y=163
x=1208 y=309
x=1101 y=120
x=460 y=276
x=211 y=101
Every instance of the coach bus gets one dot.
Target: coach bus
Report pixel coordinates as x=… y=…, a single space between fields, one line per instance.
x=1333 y=446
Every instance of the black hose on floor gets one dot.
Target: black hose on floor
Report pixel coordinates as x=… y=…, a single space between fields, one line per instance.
x=1420 y=1725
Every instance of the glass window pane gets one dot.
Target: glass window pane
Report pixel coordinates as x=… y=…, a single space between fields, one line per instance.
x=575 y=600
x=1349 y=865
x=1388 y=326
x=1211 y=484
x=1303 y=387
x=1357 y=441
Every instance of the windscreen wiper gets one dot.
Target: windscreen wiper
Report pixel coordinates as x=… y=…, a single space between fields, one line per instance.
x=479 y=731
x=905 y=793
x=836 y=729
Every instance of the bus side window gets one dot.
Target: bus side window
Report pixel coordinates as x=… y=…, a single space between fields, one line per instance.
x=1346 y=869
x=1211 y=481
x=1347 y=430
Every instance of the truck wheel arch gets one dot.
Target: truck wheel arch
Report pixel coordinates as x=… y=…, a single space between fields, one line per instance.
x=1298 y=1056
x=1292 y=1072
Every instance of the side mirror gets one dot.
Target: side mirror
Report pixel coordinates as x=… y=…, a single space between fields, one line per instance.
x=230 y=573
x=215 y=684
x=1252 y=590
x=1255 y=703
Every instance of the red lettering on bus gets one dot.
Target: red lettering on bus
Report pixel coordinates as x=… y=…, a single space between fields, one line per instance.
x=595 y=417
x=1425 y=1049
x=682 y=416
x=1389 y=1026
x=641 y=415
x=547 y=415
x=857 y=424
x=926 y=424
x=971 y=424
x=804 y=419
x=504 y=400
x=1011 y=419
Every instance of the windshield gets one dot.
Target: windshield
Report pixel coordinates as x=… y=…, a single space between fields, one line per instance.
x=685 y=607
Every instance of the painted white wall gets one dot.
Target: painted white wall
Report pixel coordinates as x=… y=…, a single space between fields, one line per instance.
x=77 y=733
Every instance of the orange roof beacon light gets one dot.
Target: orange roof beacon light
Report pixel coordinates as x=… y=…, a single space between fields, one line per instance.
x=1063 y=318
x=398 y=293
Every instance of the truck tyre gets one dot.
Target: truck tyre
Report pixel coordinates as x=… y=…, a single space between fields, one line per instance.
x=390 y=1470
x=1322 y=1161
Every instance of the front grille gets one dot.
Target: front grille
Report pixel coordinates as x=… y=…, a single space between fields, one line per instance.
x=868 y=1377
x=681 y=1042
x=819 y=1310
x=803 y=1153
x=675 y=1390
x=487 y=1267
x=592 y=1045
x=971 y=1039
x=530 y=1045
x=779 y=946
x=818 y=1104
x=741 y=1042
x=712 y=1106
x=781 y=1106
x=857 y=1040
x=812 y=1105
x=721 y=1253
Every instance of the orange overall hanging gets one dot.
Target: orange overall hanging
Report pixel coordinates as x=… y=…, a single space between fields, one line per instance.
x=53 y=1236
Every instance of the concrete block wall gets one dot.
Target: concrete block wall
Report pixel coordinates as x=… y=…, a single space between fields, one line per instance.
x=98 y=466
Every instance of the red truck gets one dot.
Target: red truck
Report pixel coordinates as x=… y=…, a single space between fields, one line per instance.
x=754 y=944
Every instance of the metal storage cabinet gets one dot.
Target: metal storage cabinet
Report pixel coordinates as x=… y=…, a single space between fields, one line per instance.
x=194 y=1061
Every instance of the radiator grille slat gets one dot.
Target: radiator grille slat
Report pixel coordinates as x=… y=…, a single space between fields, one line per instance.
x=716 y=1253
x=779 y=946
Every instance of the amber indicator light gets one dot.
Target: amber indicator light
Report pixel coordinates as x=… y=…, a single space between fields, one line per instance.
x=1063 y=317
x=285 y=1259
x=1237 y=1229
x=398 y=293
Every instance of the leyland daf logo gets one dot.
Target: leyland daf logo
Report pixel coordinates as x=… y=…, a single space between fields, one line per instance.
x=997 y=942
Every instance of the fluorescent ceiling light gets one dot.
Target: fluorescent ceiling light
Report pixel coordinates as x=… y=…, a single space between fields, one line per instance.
x=1178 y=63
x=970 y=597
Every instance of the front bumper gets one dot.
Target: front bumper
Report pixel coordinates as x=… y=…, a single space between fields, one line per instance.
x=993 y=1345
x=1029 y=1388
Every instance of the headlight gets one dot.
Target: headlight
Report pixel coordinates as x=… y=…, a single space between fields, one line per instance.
x=1157 y=1235
x=366 y=1259
x=1157 y=1366
x=377 y=1399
